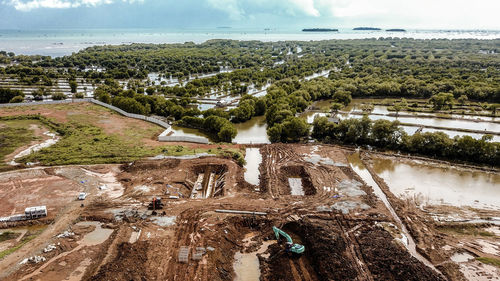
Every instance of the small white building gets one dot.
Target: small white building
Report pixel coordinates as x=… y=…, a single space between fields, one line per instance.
x=35 y=212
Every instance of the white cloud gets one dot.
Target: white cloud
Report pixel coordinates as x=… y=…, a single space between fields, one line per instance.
x=386 y=13
x=230 y=6
x=23 y=5
x=241 y=9
x=307 y=6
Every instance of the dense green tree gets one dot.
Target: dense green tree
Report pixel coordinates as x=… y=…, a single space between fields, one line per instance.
x=73 y=85
x=442 y=101
x=7 y=94
x=58 y=96
x=17 y=99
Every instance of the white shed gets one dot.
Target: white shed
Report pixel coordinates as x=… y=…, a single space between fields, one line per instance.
x=35 y=212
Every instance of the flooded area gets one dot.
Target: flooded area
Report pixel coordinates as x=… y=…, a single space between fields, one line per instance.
x=461 y=257
x=439 y=122
x=182 y=131
x=358 y=166
x=446 y=123
x=253 y=131
x=440 y=185
x=247 y=265
x=253 y=158
x=97 y=236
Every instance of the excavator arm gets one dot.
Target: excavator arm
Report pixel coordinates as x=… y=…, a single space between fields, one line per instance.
x=294 y=248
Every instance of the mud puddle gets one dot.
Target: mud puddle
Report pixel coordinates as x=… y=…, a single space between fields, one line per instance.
x=358 y=166
x=246 y=265
x=96 y=237
x=461 y=257
x=296 y=186
x=253 y=160
x=440 y=185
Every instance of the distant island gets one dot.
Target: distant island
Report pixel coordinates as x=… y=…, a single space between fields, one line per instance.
x=223 y=27
x=319 y=29
x=366 y=28
x=396 y=30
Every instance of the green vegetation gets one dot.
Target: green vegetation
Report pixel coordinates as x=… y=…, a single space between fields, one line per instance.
x=8 y=95
x=87 y=144
x=490 y=261
x=218 y=127
x=389 y=135
x=58 y=96
x=453 y=76
x=14 y=134
x=466 y=229
x=8 y=235
x=83 y=143
x=31 y=234
x=9 y=251
x=442 y=101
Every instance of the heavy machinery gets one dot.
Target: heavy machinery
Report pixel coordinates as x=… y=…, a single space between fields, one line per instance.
x=290 y=246
x=155 y=204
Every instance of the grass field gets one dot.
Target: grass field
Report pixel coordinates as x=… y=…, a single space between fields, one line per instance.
x=15 y=134
x=491 y=261
x=90 y=134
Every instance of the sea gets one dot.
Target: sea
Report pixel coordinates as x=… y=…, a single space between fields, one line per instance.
x=57 y=43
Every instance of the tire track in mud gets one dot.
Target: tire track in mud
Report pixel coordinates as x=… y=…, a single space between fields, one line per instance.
x=353 y=249
x=177 y=270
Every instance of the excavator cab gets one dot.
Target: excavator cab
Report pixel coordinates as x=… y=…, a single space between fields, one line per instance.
x=155 y=204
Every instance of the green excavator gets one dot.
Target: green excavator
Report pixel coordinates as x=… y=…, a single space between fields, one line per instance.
x=290 y=246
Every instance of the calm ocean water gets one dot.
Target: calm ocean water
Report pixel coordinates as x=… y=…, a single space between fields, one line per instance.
x=64 y=42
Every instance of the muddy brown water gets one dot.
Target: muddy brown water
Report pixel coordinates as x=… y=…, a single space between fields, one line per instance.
x=440 y=185
x=182 y=131
x=252 y=131
x=253 y=158
x=246 y=265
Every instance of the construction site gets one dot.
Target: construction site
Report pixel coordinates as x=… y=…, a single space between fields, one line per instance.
x=312 y=215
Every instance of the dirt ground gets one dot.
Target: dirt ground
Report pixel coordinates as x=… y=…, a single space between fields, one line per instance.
x=113 y=235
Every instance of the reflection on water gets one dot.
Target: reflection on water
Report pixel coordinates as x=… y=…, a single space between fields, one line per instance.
x=253 y=159
x=437 y=122
x=181 y=131
x=252 y=131
x=360 y=169
x=440 y=185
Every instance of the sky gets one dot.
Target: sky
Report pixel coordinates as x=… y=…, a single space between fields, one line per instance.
x=276 y=14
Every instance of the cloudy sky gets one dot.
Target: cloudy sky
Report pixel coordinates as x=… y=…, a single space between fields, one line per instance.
x=280 y=14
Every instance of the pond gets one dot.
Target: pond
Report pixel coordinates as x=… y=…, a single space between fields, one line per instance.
x=252 y=131
x=440 y=184
x=253 y=158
